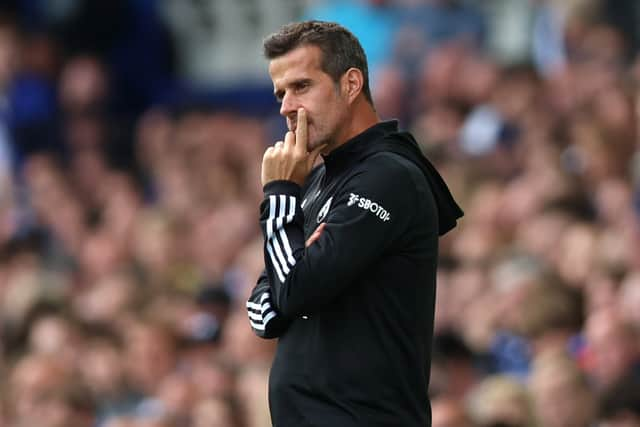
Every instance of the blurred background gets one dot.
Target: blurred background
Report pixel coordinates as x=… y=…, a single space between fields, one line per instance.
x=131 y=135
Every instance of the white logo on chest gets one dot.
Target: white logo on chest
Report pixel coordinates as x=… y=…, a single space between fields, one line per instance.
x=369 y=205
x=324 y=211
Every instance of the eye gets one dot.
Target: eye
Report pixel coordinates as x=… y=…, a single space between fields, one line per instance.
x=302 y=85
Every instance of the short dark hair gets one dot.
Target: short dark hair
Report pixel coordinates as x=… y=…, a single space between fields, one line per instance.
x=341 y=50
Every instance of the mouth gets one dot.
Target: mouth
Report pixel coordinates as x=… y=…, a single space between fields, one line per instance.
x=292 y=124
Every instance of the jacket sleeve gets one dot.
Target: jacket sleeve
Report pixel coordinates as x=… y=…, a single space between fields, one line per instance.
x=370 y=212
x=265 y=321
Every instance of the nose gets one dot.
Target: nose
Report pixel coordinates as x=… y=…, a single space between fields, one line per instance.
x=289 y=105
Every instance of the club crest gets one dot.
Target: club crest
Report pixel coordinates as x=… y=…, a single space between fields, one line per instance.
x=324 y=211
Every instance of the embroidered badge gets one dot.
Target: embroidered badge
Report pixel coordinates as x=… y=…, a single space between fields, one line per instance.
x=324 y=211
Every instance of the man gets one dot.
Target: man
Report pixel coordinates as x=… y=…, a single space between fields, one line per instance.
x=450 y=412
x=350 y=246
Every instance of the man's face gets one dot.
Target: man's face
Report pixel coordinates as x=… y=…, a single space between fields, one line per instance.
x=298 y=81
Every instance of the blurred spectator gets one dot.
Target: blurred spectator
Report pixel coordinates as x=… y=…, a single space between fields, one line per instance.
x=561 y=392
x=501 y=400
x=213 y=412
x=252 y=387
x=620 y=406
x=150 y=355
x=103 y=371
x=552 y=316
x=629 y=297
x=448 y=412
x=612 y=346
x=131 y=138
x=43 y=392
x=427 y=24
x=454 y=370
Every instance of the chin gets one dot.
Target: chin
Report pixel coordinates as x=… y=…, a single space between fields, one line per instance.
x=312 y=145
x=312 y=142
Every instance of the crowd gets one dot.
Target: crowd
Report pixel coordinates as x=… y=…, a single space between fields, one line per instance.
x=129 y=239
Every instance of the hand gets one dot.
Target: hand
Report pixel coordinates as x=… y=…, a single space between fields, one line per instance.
x=315 y=235
x=290 y=160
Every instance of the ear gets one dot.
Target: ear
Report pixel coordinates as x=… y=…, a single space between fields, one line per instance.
x=352 y=83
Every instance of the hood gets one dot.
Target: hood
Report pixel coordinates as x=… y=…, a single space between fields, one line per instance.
x=403 y=144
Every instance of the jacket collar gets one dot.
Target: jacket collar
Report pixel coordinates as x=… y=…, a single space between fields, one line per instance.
x=350 y=152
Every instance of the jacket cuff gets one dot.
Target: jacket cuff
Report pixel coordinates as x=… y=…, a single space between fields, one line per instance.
x=288 y=188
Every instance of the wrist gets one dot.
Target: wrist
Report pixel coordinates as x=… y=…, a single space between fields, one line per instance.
x=281 y=186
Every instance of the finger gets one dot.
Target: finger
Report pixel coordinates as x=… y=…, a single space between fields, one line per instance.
x=290 y=140
x=311 y=240
x=301 y=130
x=278 y=145
x=315 y=235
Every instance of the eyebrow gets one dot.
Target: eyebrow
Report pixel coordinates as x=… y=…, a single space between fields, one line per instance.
x=280 y=93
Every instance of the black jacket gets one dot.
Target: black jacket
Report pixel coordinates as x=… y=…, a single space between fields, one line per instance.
x=354 y=311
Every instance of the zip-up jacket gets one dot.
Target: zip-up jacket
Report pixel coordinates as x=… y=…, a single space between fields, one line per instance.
x=353 y=311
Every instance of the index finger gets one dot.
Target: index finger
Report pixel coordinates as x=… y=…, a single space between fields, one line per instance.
x=301 y=130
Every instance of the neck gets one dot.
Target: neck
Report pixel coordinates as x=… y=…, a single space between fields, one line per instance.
x=361 y=118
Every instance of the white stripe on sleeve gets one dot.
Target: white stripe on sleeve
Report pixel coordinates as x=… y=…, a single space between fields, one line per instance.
x=278 y=244
x=255 y=316
x=268 y=317
x=256 y=326
x=292 y=209
x=280 y=255
x=272 y=215
x=283 y=211
x=287 y=248
x=274 y=262
x=254 y=305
